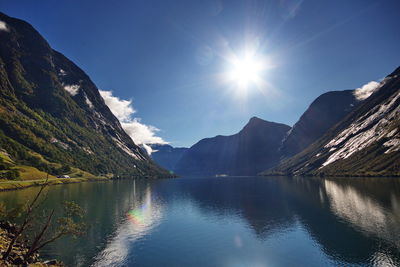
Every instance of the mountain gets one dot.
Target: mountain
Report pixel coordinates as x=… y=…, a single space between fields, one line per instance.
x=365 y=143
x=52 y=116
x=167 y=156
x=253 y=149
x=323 y=113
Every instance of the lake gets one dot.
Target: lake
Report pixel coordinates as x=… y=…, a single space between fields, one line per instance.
x=231 y=221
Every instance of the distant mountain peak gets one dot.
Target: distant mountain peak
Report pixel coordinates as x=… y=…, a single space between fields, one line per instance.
x=256 y=122
x=255 y=119
x=245 y=153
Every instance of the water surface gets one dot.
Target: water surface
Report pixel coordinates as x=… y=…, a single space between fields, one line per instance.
x=231 y=221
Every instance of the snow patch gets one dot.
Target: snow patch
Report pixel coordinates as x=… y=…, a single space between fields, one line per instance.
x=62 y=72
x=88 y=102
x=356 y=137
x=3 y=26
x=72 y=89
x=392 y=133
x=394 y=145
x=126 y=149
x=61 y=144
x=87 y=150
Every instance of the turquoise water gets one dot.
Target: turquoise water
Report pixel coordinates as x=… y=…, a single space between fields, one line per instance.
x=231 y=221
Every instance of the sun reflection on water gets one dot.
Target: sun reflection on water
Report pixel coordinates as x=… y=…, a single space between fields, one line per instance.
x=145 y=214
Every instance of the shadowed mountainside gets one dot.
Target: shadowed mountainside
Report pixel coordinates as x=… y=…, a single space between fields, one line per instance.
x=323 y=113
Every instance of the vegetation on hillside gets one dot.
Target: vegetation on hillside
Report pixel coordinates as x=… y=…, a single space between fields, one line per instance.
x=48 y=128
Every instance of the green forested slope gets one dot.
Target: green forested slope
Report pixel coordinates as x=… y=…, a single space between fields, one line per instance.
x=52 y=116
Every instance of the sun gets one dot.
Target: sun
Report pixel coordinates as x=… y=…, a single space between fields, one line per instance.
x=246 y=71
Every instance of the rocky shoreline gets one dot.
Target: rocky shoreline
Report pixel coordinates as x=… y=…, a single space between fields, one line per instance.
x=7 y=231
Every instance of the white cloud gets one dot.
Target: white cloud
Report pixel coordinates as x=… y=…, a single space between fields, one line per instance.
x=3 y=26
x=140 y=133
x=122 y=109
x=72 y=89
x=148 y=149
x=366 y=90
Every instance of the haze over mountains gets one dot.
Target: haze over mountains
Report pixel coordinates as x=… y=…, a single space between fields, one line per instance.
x=52 y=115
x=166 y=155
x=253 y=149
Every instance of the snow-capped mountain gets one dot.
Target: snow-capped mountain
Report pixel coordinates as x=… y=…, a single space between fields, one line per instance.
x=323 y=113
x=366 y=142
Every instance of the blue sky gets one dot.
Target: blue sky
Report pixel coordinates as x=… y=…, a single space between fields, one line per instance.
x=167 y=56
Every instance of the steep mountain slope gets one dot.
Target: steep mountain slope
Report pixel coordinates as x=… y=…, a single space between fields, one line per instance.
x=166 y=155
x=51 y=113
x=366 y=142
x=248 y=152
x=323 y=113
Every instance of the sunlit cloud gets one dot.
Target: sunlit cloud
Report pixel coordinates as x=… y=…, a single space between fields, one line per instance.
x=3 y=26
x=122 y=109
x=140 y=133
x=366 y=90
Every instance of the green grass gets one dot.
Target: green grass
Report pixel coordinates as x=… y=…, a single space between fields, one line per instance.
x=30 y=173
x=14 y=185
x=5 y=158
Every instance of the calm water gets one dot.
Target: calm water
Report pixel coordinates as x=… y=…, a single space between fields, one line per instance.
x=247 y=221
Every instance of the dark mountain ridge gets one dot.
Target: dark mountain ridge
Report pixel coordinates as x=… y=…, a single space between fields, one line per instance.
x=252 y=147
x=244 y=153
x=323 y=113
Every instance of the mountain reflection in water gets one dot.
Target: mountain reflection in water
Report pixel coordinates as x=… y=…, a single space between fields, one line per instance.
x=233 y=221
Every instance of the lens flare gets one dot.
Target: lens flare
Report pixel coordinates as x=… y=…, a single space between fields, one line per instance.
x=136 y=216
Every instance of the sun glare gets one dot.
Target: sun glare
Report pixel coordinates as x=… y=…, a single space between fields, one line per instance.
x=246 y=71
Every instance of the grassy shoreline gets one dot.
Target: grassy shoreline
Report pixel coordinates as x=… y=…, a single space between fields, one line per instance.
x=15 y=185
